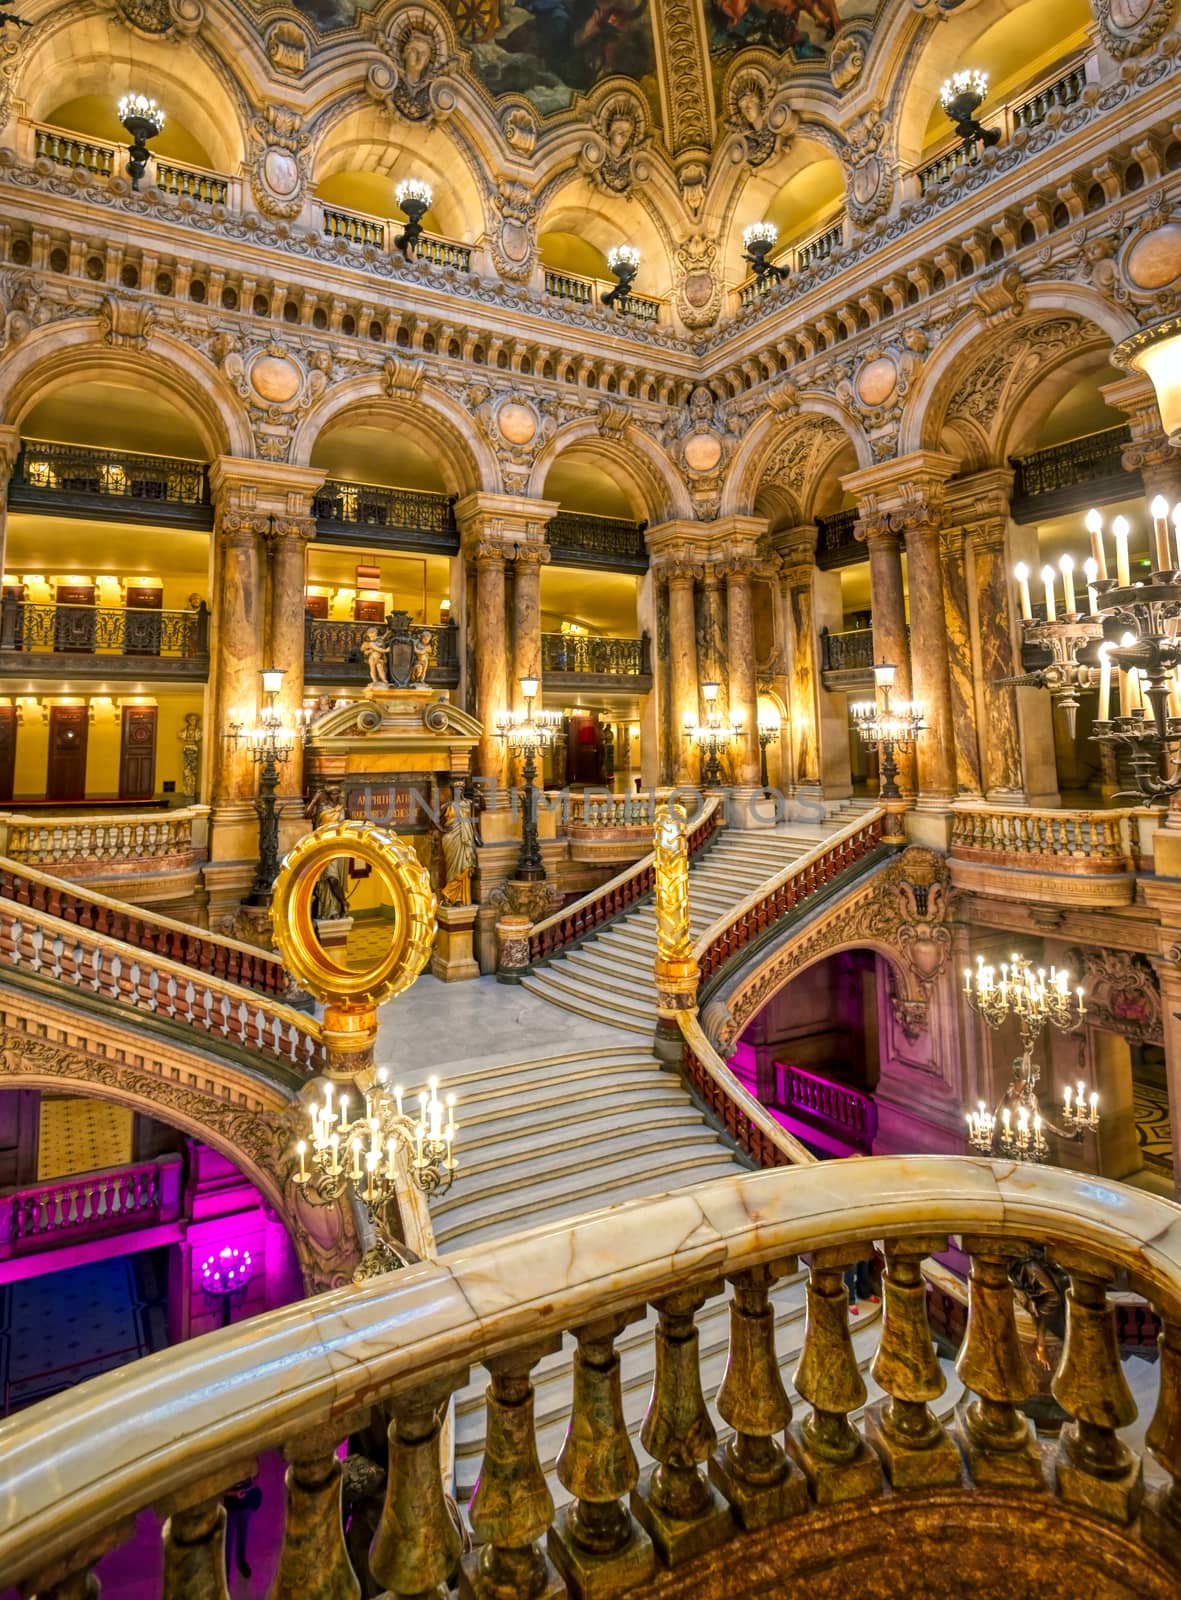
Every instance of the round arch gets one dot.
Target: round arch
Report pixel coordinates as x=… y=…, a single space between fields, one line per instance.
x=59 y=355
x=575 y=206
x=431 y=420
x=803 y=172
x=643 y=472
x=753 y=456
x=98 y=60
x=974 y=342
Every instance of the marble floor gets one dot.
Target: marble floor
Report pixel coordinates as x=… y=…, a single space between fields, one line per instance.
x=1150 y=1103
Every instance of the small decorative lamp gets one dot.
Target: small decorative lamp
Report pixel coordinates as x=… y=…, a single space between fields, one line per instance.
x=143 y=120
x=414 y=198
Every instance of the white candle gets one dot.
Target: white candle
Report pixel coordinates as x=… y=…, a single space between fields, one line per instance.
x=1091 y=568
x=344 y=1112
x=1098 y=554
x=1021 y=573
x=1160 y=533
x=1066 y=1101
x=1125 y=693
x=1094 y=1108
x=303 y=1169
x=1175 y=693
x=1177 y=530
x=398 y=1097
x=1066 y=567
x=1120 y=527
x=1048 y=581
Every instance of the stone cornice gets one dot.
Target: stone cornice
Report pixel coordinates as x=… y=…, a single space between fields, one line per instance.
x=503 y=523
x=248 y=485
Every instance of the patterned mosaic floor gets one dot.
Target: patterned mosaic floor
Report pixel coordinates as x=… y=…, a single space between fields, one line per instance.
x=1150 y=1102
x=81 y=1136
x=62 y=1327
x=368 y=941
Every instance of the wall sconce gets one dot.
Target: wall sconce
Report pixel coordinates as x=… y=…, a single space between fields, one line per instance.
x=961 y=97
x=143 y=120
x=1156 y=352
x=759 y=239
x=624 y=261
x=414 y=198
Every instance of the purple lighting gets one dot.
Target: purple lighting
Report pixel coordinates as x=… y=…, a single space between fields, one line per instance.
x=227 y=1271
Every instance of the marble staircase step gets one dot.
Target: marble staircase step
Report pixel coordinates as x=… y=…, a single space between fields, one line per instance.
x=550 y=1112
x=587 y=1008
x=635 y=1014
x=609 y=977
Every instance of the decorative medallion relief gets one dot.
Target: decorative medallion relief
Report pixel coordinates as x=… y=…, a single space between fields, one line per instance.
x=162 y=17
x=1147 y=267
x=278 y=164
x=418 y=57
x=277 y=384
x=612 y=157
x=517 y=425
x=514 y=243
x=699 y=289
x=758 y=114
x=1130 y=27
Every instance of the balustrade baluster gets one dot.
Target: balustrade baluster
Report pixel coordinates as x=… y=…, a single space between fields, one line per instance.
x=836 y=1461
x=998 y=1441
x=314 y=1563
x=674 y=1501
x=416 y=1548
x=595 y=1543
x=511 y=1508
x=1160 y=1517
x=194 y=1542
x=1095 y=1468
x=915 y=1451
x=752 y=1470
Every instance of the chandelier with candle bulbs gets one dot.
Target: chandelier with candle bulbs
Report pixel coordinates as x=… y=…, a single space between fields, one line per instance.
x=1017 y=1128
x=362 y=1151
x=1129 y=633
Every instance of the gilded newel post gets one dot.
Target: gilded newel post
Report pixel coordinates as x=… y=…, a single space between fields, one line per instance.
x=675 y=969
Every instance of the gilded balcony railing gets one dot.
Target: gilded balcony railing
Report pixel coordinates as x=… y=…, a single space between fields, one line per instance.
x=337 y=645
x=149 y=932
x=581 y=538
x=51 y=468
x=737 y=1502
x=89 y=1205
x=92 y=845
x=66 y=629
x=591 y=653
x=373 y=505
x=828 y=1105
x=1091 y=842
x=47 y=947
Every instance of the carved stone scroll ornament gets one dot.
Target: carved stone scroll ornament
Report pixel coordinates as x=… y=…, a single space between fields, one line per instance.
x=162 y=18
x=514 y=242
x=846 y=56
x=758 y=114
x=870 y=183
x=278 y=385
x=418 y=56
x=699 y=286
x=1123 y=992
x=126 y=324
x=1131 y=27
x=278 y=165
x=288 y=47
x=700 y=440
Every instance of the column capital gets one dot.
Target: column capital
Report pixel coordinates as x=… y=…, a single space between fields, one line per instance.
x=241 y=530
x=531 y=555
x=263 y=488
x=297 y=530
x=507 y=520
x=10 y=444
x=903 y=479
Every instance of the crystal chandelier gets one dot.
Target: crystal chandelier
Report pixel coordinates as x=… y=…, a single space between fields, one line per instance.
x=713 y=737
x=362 y=1153
x=1017 y=1128
x=888 y=728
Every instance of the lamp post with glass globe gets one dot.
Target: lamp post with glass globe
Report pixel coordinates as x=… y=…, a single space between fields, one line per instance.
x=269 y=743
x=526 y=733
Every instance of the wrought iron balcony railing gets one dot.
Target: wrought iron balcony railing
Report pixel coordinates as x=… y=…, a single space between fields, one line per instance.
x=1066 y=477
x=48 y=473
x=836 y=540
x=579 y=539
x=332 y=649
x=846 y=652
x=401 y=513
x=104 y=158
x=36 y=627
x=591 y=653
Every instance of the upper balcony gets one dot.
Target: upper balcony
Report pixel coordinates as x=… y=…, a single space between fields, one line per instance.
x=49 y=638
x=66 y=480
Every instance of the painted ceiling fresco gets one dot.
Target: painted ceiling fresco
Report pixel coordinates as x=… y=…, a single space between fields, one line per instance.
x=805 y=27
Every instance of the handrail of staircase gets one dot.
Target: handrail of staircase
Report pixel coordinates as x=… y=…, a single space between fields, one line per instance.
x=97 y=963
x=210 y=953
x=98 y=839
x=576 y=920
x=764 y=906
x=74 y=1474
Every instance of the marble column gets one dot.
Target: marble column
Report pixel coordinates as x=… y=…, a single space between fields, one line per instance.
x=289 y=538
x=1170 y=993
x=10 y=443
x=491 y=657
x=682 y=649
x=802 y=732
x=1000 y=741
x=953 y=547
x=888 y=600
x=713 y=664
x=236 y=653
x=527 y=617
x=930 y=671
x=744 y=689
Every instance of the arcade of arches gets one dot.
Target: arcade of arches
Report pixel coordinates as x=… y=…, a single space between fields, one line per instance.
x=244 y=424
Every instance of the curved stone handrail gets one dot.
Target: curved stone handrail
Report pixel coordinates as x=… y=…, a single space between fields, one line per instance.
x=628 y=886
x=1070 y=841
x=71 y=955
x=765 y=905
x=104 y=838
x=213 y=953
x=74 y=1472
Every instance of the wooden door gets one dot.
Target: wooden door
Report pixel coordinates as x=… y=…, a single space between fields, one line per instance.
x=141 y=622
x=73 y=629
x=137 y=753
x=65 y=778
x=7 y=750
x=369 y=611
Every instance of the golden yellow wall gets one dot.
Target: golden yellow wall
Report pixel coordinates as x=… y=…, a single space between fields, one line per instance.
x=102 y=746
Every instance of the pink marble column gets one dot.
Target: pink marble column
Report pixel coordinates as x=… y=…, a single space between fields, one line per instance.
x=929 y=656
x=953 y=545
x=236 y=649
x=289 y=538
x=802 y=731
x=888 y=599
x=491 y=657
x=1000 y=739
x=527 y=616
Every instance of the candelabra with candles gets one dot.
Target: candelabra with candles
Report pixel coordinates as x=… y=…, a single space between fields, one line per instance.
x=143 y=120
x=624 y=261
x=362 y=1153
x=225 y=1278
x=1062 y=637
x=759 y=240
x=1016 y=1129
x=713 y=737
x=270 y=743
x=1138 y=626
x=526 y=732
x=414 y=198
x=888 y=728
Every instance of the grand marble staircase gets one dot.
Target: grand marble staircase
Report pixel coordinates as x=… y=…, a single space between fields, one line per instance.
x=552 y=1137
x=609 y=975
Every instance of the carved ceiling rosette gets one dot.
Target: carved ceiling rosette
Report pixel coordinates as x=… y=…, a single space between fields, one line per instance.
x=418 y=57
x=278 y=164
x=613 y=156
